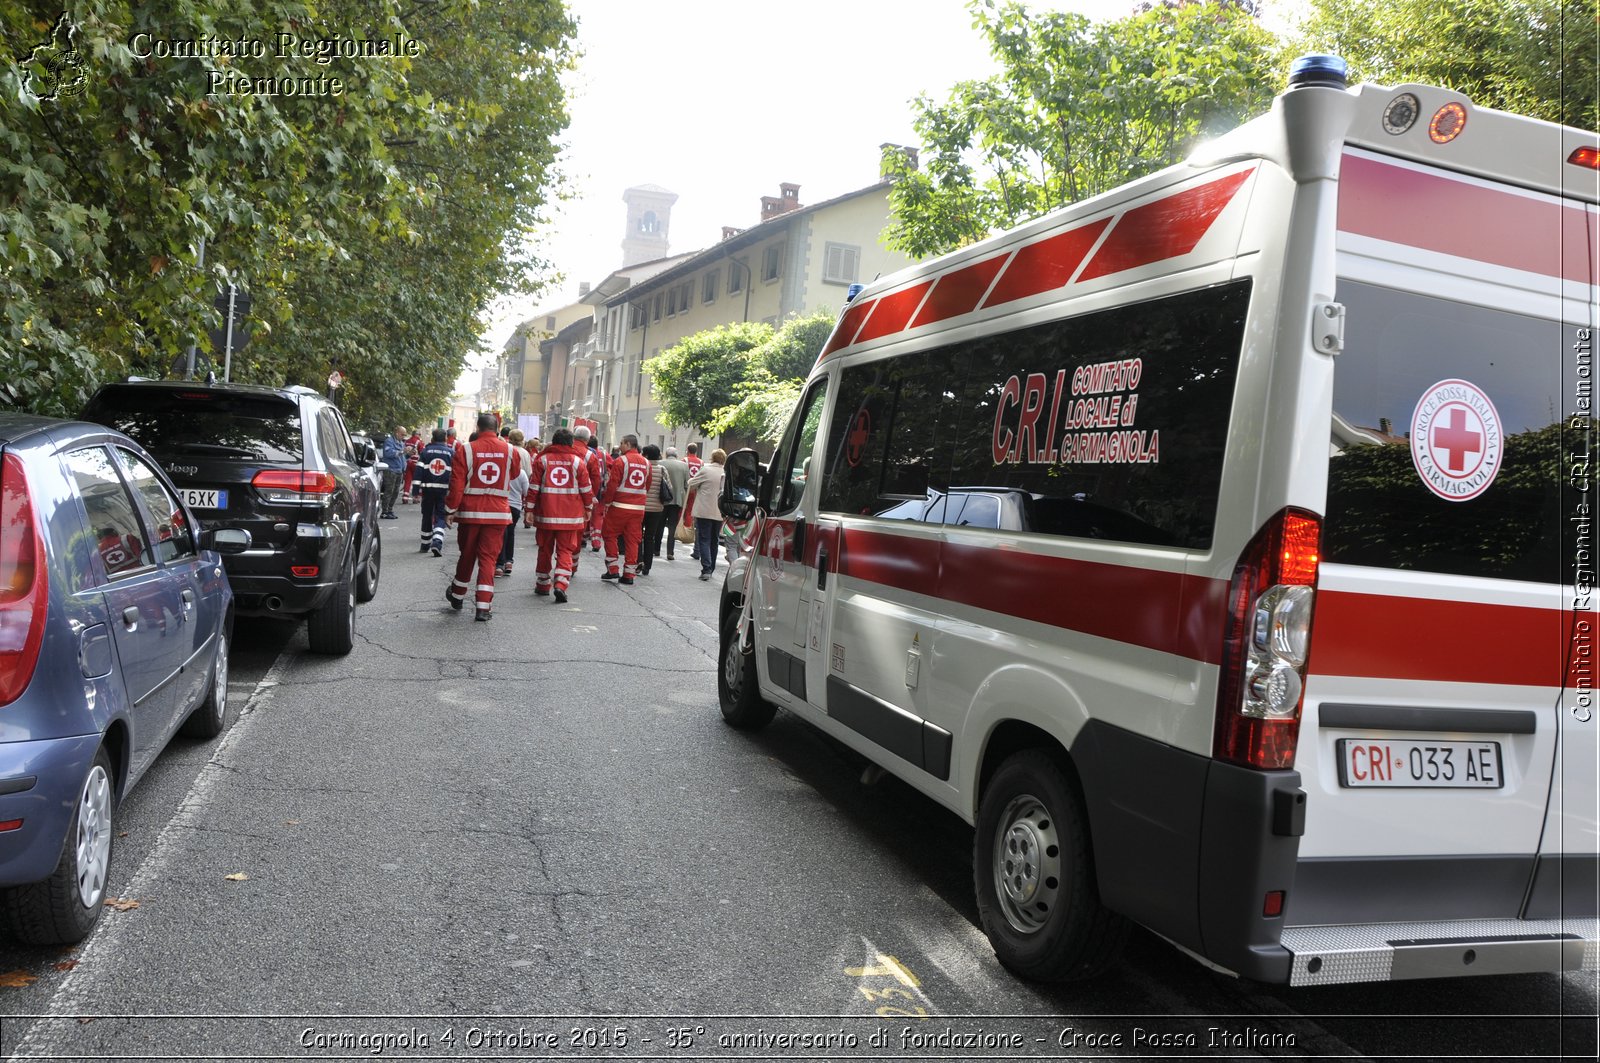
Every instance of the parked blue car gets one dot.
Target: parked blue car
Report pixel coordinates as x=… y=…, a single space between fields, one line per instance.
x=115 y=621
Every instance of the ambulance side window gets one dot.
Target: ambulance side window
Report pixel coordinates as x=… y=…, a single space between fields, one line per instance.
x=795 y=464
x=885 y=454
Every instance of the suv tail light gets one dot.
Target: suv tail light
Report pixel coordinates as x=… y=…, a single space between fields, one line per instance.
x=24 y=582
x=1268 y=638
x=291 y=487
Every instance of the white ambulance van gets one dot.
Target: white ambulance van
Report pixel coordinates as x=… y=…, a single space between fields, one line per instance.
x=1221 y=548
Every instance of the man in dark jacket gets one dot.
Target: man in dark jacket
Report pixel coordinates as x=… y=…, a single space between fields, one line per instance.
x=394 y=470
x=432 y=480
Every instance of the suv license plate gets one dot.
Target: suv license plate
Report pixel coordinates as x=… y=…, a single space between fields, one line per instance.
x=1412 y=762
x=198 y=499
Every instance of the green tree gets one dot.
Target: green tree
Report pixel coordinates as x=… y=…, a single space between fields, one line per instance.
x=700 y=374
x=777 y=373
x=369 y=225
x=1534 y=57
x=1078 y=108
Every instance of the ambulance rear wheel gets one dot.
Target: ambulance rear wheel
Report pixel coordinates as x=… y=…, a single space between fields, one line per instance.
x=1033 y=870
x=738 y=690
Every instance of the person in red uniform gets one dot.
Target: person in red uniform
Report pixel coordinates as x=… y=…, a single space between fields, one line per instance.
x=559 y=502
x=408 y=488
x=625 y=495
x=479 y=502
x=597 y=464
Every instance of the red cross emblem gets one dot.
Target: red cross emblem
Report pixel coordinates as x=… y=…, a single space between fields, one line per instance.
x=856 y=443
x=559 y=476
x=1456 y=439
x=437 y=466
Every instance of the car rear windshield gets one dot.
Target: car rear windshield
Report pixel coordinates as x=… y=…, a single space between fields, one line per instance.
x=169 y=422
x=1455 y=426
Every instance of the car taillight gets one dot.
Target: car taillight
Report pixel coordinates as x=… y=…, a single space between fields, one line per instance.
x=1268 y=639
x=291 y=487
x=24 y=582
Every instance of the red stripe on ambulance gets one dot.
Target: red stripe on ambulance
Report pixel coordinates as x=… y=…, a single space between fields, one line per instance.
x=1388 y=637
x=958 y=293
x=892 y=312
x=1167 y=228
x=1045 y=264
x=1453 y=217
x=1166 y=611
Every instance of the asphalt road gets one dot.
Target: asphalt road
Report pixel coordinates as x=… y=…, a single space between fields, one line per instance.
x=536 y=838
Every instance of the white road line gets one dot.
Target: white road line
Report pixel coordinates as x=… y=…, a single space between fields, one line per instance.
x=101 y=946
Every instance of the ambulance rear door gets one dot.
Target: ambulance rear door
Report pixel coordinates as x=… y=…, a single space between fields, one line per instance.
x=1432 y=714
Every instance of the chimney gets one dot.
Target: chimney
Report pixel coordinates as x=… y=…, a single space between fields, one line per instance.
x=789 y=199
x=1385 y=426
x=895 y=160
x=729 y=232
x=583 y=289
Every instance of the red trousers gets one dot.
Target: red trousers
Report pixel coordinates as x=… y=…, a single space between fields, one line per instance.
x=597 y=524
x=558 y=549
x=480 y=549
x=627 y=525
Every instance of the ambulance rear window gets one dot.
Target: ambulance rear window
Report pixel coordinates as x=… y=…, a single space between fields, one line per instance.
x=1447 y=437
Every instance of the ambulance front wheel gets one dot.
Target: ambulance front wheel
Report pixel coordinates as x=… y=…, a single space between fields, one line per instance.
x=738 y=690
x=1034 y=875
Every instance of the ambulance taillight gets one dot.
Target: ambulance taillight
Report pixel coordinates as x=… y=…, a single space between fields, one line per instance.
x=1589 y=157
x=1268 y=641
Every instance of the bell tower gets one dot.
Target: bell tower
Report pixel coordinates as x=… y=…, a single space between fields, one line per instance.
x=649 y=212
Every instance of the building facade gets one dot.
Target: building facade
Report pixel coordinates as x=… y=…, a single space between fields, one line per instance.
x=796 y=260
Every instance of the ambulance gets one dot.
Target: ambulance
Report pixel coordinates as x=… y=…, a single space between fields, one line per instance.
x=1222 y=549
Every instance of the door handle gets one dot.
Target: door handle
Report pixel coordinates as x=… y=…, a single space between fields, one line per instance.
x=188 y=600
x=130 y=618
x=822 y=567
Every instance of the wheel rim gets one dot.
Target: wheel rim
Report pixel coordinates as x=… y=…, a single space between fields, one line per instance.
x=733 y=665
x=350 y=597
x=373 y=557
x=94 y=837
x=219 y=678
x=1027 y=864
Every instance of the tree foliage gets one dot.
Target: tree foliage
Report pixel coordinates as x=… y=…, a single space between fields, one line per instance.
x=1534 y=57
x=1077 y=108
x=699 y=375
x=777 y=372
x=371 y=227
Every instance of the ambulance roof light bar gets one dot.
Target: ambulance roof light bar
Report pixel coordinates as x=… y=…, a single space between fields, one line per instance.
x=1318 y=69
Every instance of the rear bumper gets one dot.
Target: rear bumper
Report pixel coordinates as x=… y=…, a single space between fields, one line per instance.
x=57 y=768
x=1383 y=952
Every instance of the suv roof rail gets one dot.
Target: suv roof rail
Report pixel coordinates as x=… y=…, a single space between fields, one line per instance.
x=301 y=389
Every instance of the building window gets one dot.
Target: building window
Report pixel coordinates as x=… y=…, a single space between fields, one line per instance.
x=656 y=316
x=840 y=264
x=709 y=290
x=648 y=223
x=772 y=263
x=550 y=323
x=685 y=296
x=736 y=272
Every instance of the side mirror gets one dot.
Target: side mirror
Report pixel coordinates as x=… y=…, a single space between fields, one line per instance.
x=225 y=540
x=741 y=486
x=366 y=455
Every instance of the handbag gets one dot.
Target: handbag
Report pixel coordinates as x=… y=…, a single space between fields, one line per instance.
x=666 y=495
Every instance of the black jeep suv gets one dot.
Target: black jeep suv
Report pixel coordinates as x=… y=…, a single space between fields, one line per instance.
x=280 y=464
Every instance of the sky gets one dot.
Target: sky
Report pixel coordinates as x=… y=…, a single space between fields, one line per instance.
x=721 y=100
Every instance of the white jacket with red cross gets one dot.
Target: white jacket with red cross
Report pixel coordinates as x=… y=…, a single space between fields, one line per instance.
x=629 y=483
x=479 y=479
x=559 y=492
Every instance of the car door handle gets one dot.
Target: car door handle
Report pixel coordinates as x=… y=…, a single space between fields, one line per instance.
x=188 y=600
x=130 y=618
x=822 y=568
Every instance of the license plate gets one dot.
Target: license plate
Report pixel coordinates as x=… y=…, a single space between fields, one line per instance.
x=201 y=499
x=1415 y=762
